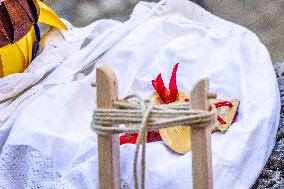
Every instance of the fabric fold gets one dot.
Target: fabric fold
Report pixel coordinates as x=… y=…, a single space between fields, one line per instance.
x=56 y=122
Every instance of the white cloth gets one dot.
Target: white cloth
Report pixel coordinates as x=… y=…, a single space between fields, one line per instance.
x=45 y=113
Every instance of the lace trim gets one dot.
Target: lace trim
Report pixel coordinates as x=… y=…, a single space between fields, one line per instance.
x=23 y=166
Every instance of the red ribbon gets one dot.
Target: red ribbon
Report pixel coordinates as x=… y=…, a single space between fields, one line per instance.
x=131 y=138
x=167 y=96
x=225 y=103
x=221 y=120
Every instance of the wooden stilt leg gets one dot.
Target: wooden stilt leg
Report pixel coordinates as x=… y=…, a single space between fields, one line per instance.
x=201 y=141
x=108 y=146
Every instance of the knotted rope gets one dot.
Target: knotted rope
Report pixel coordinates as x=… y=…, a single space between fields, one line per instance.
x=147 y=115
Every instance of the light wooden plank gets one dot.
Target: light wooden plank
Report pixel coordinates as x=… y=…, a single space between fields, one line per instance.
x=201 y=140
x=108 y=146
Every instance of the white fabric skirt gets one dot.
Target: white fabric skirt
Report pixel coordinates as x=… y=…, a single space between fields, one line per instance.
x=45 y=113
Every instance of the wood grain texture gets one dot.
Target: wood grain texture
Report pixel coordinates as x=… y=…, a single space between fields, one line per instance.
x=108 y=146
x=201 y=141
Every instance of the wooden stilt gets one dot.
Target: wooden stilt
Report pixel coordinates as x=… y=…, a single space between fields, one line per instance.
x=108 y=146
x=201 y=140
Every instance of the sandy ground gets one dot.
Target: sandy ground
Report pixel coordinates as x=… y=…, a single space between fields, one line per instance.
x=265 y=17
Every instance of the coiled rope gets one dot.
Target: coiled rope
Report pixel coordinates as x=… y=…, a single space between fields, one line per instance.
x=140 y=117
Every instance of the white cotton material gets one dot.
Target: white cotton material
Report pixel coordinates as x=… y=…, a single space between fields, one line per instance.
x=45 y=113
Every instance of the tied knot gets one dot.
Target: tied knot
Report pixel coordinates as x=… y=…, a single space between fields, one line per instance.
x=140 y=117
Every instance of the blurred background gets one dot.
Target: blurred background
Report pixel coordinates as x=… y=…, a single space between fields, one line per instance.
x=264 y=17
